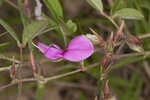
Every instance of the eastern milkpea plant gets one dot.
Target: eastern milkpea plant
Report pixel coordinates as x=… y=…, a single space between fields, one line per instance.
x=80 y=49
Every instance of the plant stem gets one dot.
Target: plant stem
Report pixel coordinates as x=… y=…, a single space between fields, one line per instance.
x=144 y=36
x=50 y=78
x=109 y=18
x=19 y=75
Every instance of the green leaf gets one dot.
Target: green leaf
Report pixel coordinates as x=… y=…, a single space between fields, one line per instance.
x=52 y=22
x=32 y=30
x=97 y=4
x=10 y=30
x=116 y=80
x=127 y=60
x=71 y=25
x=64 y=27
x=117 y=4
x=129 y=13
x=55 y=8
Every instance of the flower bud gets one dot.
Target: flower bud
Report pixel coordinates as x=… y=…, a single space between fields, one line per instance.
x=38 y=10
x=92 y=38
x=106 y=60
x=136 y=40
x=119 y=32
x=100 y=39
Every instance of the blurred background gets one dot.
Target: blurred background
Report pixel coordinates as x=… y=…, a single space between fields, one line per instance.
x=129 y=78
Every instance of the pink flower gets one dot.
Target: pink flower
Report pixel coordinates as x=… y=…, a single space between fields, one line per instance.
x=77 y=50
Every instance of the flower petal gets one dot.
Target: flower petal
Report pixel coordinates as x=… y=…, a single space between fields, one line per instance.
x=78 y=49
x=43 y=48
x=52 y=51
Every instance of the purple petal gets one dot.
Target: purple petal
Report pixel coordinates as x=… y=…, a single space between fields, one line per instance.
x=78 y=49
x=43 y=48
x=52 y=51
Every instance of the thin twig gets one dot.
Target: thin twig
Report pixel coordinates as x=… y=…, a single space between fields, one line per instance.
x=8 y=68
x=9 y=59
x=49 y=78
x=49 y=29
x=17 y=82
x=12 y=4
x=114 y=57
x=110 y=19
x=6 y=86
x=144 y=36
x=72 y=72
x=3 y=34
